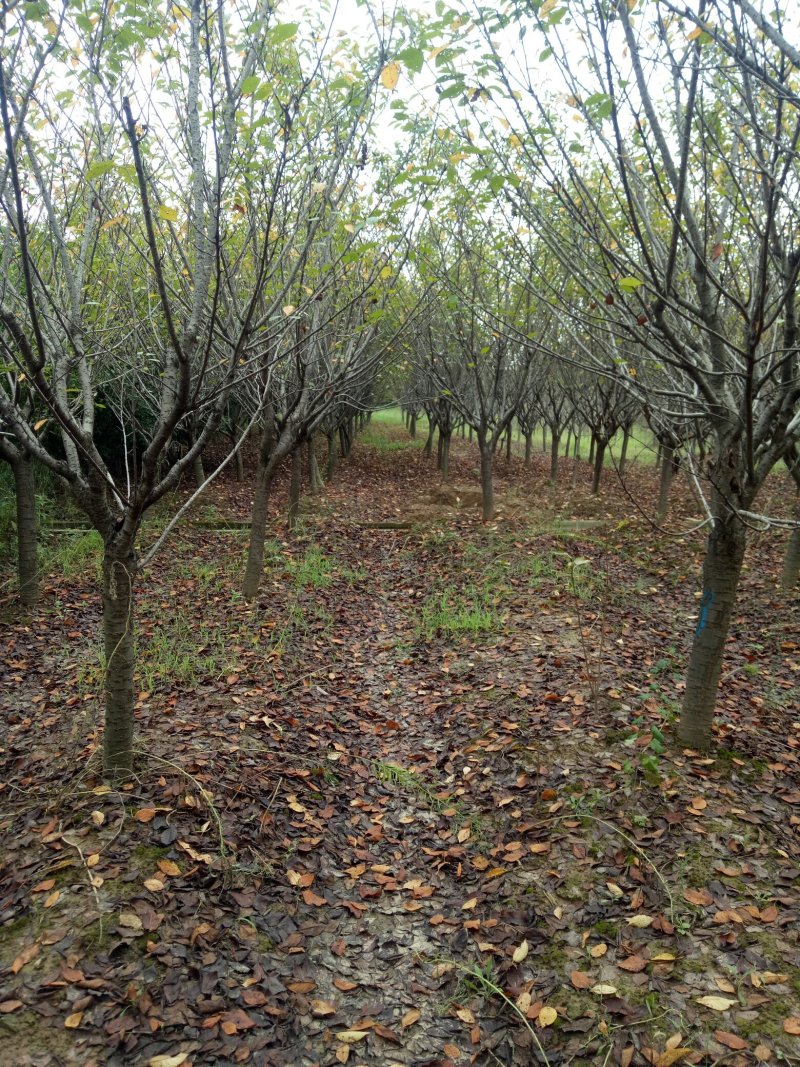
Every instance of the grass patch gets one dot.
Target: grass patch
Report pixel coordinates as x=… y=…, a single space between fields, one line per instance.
x=469 y=612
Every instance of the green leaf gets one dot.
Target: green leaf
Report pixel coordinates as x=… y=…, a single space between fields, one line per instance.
x=497 y=182
x=97 y=170
x=249 y=85
x=168 y=214
x=413 y=58
x=629 y=285
x=284 y=31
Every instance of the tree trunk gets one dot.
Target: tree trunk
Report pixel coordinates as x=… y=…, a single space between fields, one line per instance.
x=623 y=458
x=568 y=444
x=508 y=443
x=429 y=440
x=295 y=486
x=27 y=537
x=487 y=482
x=119 y=570
x=592 y=447
x=315 y=482
x=790 y=576
x=599 y=456
x=544 y=438
x=577 y=452
x=333 y=456
x=528 y=448
x=667 y=471
x=239 y=439
x=555 y=442
x=444 y=465
x=722 y=567
x=412 y=427
x=258 y=520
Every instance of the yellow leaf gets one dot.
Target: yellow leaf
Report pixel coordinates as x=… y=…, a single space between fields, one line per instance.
x=73 y=1021
x=390 y=75
x=716 y=1003
x=547 y=1016
x=546 y=8
x=410 y=1018
x=290 y=309
x=603 y=990
x=520 y=952
x=696 y=32
x=470 y=904
x=168 y=1061
x=386 y=272
x=170 y=868
x=36 y=427
x=350 y=1037
x=114 y=222
x=131 y=921
x=672 y=1055
x=153 y=884
x=168 y=214
x=640 y=921
x=598 y=950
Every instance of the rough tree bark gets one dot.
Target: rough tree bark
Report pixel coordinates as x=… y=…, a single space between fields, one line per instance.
x=119 y=571
x=487 y=481
x=667 y=472
x=258 y=521
x=295 y=487
x=27 y=534
x=600 y=445
x=555 y=442
x=721 y=571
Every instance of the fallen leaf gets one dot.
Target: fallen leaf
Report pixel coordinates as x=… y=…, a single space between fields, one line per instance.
x=345 y=985
x=580 y=979
x=640 y=921
x=145 y=814
x=725 y=1037
x=29 y=953
x=168 y=1061
x=671 y=1056
x=603 y=990
x=72 y=1022
x=131 y=921
x=520 y=952
x=792 y=1025
x=351 y=1037
x=7 y=1006
x=310 y=897
x=547 y=1016
x=410 y=1018
x=700 y=897
x=716 y=1003
x=634 y=964
x=596 y=951
x=169 y=868
x=323 y=1007
x=470 y=904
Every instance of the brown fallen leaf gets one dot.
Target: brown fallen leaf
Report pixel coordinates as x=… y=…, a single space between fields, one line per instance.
x=165 y=1060
x=311 y=898
x=792 y=1025
x=351 y=1037
x=28 y=953
x=716 y=1003
x=145 y=814
x=72 y=1022
x=7 y=1006
x=725 y=1037
x=170 y=868
x=412 y=1016
x=634 y=964
x=581 y=980
x=345 y=985
x=323 y=1007
x=700 y=897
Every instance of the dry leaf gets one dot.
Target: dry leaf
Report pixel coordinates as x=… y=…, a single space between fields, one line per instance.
x=700 y=897
x=351 y=1037
x=520 y=952
x=131 y=921
x=470 y=904
x=390 y=75
x=310 y=897
x=547 y=1016
x=72 y=1022
x=28 y=953
x=581 y=980
x=168 y=1061
x=169 y=868
x=323 y=1007
x=145 y=814
x=640 y=921
x=792 y=1025
x=634 y=964
x=7 y=1006
x=596 y=951
x=671 y=1055
x=410 y=1018
x=716 y=1003
x=603 y=990
x=345 y=985
x=725 y=1037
